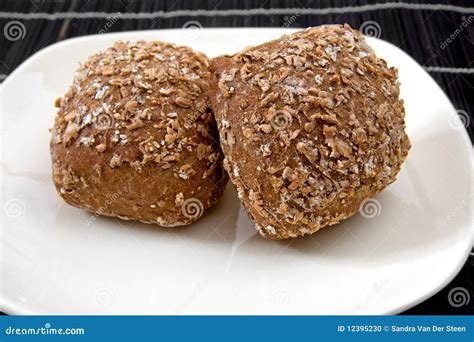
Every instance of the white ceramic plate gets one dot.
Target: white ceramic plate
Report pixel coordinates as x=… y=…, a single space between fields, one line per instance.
x=55 y=261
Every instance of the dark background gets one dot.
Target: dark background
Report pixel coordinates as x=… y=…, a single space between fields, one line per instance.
x=419 y=32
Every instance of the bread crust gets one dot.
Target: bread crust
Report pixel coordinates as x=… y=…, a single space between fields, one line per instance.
x=311 y=125
x=135 y=138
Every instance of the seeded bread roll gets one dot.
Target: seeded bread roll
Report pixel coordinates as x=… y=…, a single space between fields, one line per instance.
x=311 y=124
x=135 y=138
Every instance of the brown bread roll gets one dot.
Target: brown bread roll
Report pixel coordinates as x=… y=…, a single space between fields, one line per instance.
x=135 y=138
x=311 y=125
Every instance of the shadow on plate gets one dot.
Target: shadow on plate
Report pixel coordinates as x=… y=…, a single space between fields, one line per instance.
x=407 y=218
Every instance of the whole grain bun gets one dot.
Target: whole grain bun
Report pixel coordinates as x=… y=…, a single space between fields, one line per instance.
x=135 y=138
x=311 y=125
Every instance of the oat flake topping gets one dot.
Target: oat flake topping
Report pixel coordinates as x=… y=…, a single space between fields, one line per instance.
x=320 y=125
